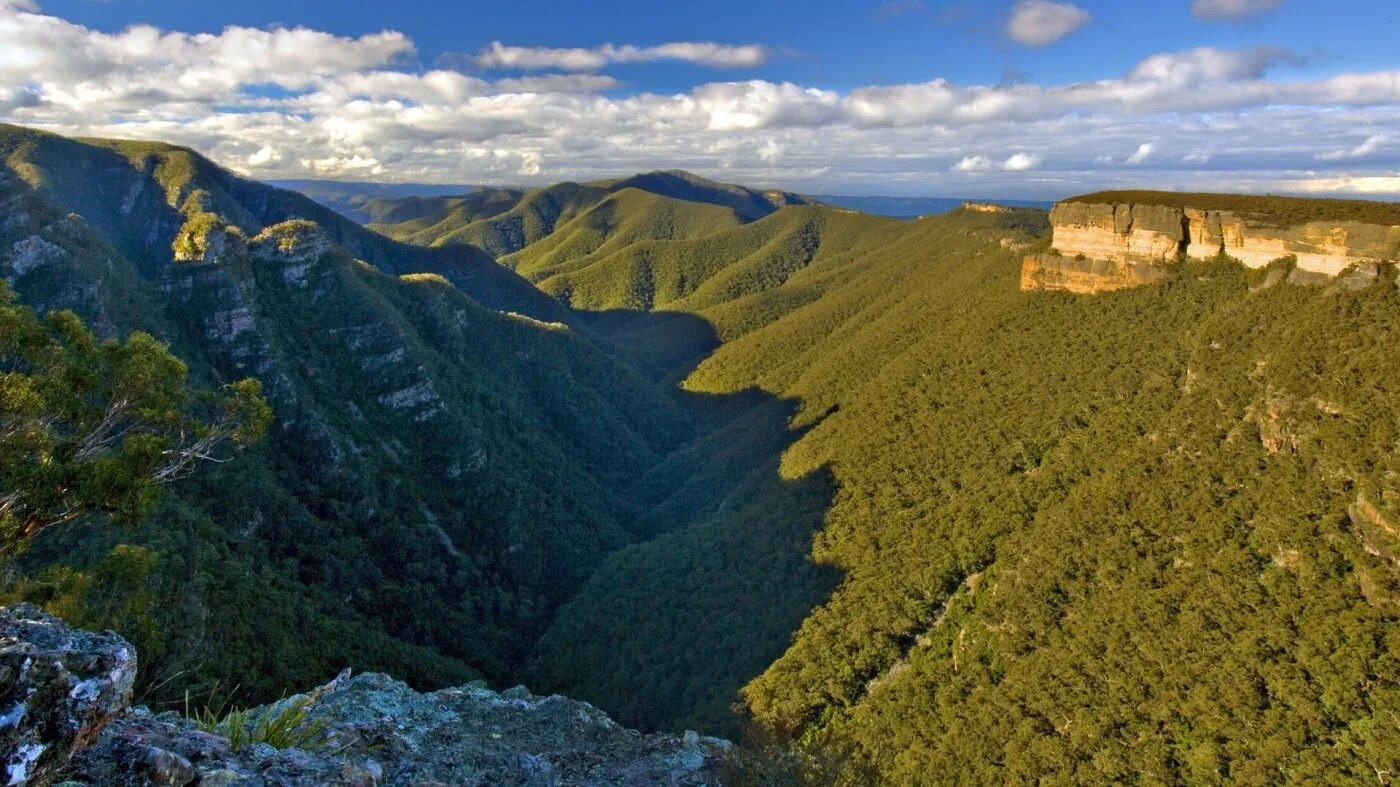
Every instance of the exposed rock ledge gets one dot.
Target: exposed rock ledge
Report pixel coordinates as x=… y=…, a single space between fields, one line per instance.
x=70 y=692
x=1099 y=247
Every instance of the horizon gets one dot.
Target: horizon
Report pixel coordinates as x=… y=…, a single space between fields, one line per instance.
x=914 y=98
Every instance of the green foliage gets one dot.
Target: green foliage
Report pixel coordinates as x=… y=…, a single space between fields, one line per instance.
x=393 y=519
x=99 y=427
x=914 y=521
x=1266 y=210
x=1066 y=526
x=282 y=725
x=503 y=221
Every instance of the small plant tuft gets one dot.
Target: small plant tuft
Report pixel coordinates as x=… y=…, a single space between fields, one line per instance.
x=282 y=725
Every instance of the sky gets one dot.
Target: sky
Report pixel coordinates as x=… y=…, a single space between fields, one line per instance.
x=1034 y=99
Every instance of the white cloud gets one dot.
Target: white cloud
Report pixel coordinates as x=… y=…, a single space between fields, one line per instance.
x=1143 y=153
x=974 y=164
x=1017 y=162
x=1375 y=184
x=1041 y=22
x=1021 y=162
x=500 y=56
x=310 y=103
x=1371 y=145
x=1224 y=10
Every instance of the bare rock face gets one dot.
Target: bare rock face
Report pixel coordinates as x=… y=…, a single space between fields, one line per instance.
x=58 y=688
x=1119 y=239
x=65 y=703
x=1085 y=276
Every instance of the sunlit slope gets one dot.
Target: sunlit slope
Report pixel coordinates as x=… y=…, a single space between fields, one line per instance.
x=617 y=223
x=762 y=531
x=493 y=221
x=488 y=218
x=1079 y=538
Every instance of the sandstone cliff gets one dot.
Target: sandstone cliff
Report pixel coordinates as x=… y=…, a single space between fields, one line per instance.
x=1101 y=246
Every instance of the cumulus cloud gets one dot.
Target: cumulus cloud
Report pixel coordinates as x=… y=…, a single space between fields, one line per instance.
x=974 y=164
x=1017 y=162
x=500 y=56
x=1371 y=145
x=1041 y=22
x=298 y=102
x=1021 y=162
x=1142 y=154
x=1227 y=10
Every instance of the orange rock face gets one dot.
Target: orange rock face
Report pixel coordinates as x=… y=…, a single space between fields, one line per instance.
x=1127 y=245
x=1085 y=277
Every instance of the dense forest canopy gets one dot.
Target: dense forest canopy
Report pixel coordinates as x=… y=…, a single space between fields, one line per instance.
x=713 y=458
x=1267 y=209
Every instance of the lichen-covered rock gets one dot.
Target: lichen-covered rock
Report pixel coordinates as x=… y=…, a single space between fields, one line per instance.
x=66 y=715
x=58 y=688
x=381 y=732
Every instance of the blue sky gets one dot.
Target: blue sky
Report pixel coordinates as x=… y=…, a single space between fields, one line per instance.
x=900 y=97
x=839 y=45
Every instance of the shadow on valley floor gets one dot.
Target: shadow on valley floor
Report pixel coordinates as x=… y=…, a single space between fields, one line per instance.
x=668 y=630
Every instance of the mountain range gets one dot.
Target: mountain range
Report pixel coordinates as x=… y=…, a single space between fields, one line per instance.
x=734 y=459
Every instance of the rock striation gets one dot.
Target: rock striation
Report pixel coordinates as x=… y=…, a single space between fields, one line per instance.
x=67 y=717
x=1102 y=246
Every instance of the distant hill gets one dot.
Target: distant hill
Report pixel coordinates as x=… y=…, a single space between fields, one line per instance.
x=913 y=207
x=348 y=198
x=504 y=221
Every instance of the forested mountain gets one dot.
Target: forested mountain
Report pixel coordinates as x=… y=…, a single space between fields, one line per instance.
x=503 y=221
x=711 y=457
x=398 y=515
x=1146 y=534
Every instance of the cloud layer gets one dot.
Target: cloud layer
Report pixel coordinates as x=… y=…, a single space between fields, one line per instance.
x=1041 y=22
x=298 y=102
x=704 y=53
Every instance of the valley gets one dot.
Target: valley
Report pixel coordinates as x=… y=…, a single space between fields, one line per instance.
x=901 y=495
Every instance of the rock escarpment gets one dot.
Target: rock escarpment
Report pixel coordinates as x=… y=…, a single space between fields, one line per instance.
x=1102 y=246
x=67 y=716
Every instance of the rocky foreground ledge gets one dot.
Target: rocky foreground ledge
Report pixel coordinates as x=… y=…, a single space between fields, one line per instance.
x=65 y=717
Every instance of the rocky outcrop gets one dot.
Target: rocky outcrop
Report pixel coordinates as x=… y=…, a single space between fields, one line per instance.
x=62 y=686
x=58 y=688
x=1085 y=276
x=30 y=253
x=1102 y=246
x=987 y=207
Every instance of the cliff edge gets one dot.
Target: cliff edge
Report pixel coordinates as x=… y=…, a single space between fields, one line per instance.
x=1113 y=240
x=67 y=717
